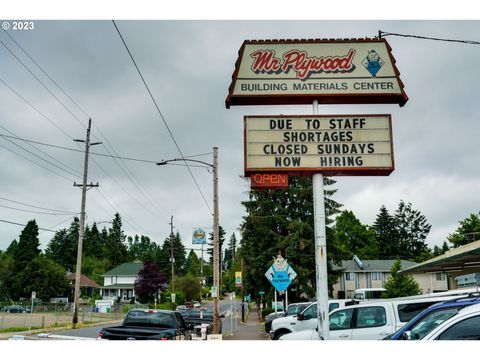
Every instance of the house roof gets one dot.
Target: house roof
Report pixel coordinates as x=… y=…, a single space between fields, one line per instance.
x=84 y=281
x=372 y=265
x=126 y=269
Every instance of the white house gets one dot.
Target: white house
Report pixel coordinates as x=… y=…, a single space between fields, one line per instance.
x=119 y=283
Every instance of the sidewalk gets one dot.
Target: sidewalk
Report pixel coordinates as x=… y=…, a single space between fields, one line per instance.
x=252 y=329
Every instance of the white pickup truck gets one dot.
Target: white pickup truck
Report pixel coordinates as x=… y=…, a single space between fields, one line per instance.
x=292 y=323
x=366 y=321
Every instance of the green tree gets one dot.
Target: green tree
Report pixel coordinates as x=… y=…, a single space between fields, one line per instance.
x=221 y=240
x=467 y=232
x=142 y=248
x=386 y=234
x=94 y=268
x=193 y=264
x=117 y=252
x=28 y=247
x=6 y=273
x=230 y=251
x=413 y=229
x=179 y=254
x=45 y=277
x=398 y=285
x=94 y=244
x=190 y=286
x=63 y=247
x=281 y=221
x=354 y=237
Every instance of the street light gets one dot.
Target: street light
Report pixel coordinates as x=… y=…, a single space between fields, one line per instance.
x=216 y=250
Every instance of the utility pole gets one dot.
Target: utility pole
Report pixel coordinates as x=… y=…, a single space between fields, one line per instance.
x=172 y=259
x=85 y=187
x=216 y=249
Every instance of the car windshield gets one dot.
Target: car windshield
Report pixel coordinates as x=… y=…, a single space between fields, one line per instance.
x=430 y=322
x=427 y=323
x=150 y=319
x=294 y=309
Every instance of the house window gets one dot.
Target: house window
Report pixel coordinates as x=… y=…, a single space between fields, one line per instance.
x=440 y=276
x=349 y=276
x=376 y=276
x=114 y=280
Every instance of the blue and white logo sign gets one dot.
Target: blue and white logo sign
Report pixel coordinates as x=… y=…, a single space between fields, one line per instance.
x=373 y=62
x=199 y=237
x=280 y=274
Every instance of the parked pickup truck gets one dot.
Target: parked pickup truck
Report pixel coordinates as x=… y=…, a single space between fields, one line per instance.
x=144 y=324
x=367 y=321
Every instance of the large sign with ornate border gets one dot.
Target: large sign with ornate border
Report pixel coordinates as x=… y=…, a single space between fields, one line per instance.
x=345 y=71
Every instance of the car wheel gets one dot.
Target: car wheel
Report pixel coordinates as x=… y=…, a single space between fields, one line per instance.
x=280 y=333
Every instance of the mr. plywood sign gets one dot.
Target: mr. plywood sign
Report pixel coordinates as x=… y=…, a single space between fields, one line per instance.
x=307 y=144
x=332 y=71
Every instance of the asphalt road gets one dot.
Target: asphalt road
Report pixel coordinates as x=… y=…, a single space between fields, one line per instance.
x=92 y=332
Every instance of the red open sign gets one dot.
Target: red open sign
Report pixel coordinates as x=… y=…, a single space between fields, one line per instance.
x=269 y=181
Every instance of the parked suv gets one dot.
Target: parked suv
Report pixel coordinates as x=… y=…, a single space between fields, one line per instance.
x=432 y=317
x=16 y=309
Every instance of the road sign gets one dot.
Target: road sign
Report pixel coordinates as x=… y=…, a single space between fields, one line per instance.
x=280 y=274
x=261 y=292
x=199 y=236
x=173 y=297
x=34 y=295
x=214 y=292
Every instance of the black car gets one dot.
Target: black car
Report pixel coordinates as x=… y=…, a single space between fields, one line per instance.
x=16 y=309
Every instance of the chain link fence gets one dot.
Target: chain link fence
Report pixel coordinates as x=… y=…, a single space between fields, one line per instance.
x=58 y=315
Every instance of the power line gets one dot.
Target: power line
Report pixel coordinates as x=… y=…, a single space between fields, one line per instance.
x=38 y=207
x=15 y=223
x=41 y=151
x=46 y=87
x=49 y=162
x=91 y=153
x=32 y=211
x=161 y=115
x=46 y=74
x=470 y=42
x=34 y=108
x=43 y=167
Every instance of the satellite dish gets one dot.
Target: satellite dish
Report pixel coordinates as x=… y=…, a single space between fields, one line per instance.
x=358 y=262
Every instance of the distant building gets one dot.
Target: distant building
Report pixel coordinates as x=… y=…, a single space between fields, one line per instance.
x=119 y=283
x=87 y=285
x=374 y=275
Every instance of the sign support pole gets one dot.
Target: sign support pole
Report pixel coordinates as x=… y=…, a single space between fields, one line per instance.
x=275 y=300
x=320 y=251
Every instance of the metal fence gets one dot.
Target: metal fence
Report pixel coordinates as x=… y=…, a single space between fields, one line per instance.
x=58 y=315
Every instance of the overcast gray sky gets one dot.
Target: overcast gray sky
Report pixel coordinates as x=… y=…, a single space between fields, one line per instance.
x=188 y=66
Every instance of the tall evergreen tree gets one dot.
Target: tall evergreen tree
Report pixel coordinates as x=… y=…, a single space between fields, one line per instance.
x=221 y=240
x=63 y=247
x=386 y=234
x=468 y=231
x=117 y=252
x=179 y=255
x=28 y=247
x=192 y=264
x=354 y=237
x=282 y=221
x=413 y=229
x=94 y=244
